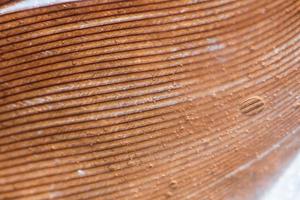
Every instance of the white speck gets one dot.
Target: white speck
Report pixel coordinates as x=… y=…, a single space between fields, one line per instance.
x=221 y=59
x=212 y=40
x=35 y=101
x=28 y=4
x=214 y=45
x=47 y=53
x=276 y=50
x=53 y=195
x=40 y=132
x=81 y=172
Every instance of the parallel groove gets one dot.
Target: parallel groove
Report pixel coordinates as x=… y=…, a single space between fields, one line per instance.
x=19 y=67
x=12 y=17
x=12 y=118
x=287 y=120
x=27 y=27
x=3 y=90
x=14 y=40
x=152 y=93
x=204 y=15
x=133 y=35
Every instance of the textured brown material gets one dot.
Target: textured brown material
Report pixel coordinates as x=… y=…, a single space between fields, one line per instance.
x=252 y=106
x=4 y=1
x=147 y=99
x=7 y=2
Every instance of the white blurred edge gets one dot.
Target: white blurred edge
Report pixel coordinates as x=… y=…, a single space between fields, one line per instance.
x=287 y=187
x=28 y=4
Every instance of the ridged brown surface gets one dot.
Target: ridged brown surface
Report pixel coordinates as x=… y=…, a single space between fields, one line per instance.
x=252 y=106
x=4 y=1
x=147 y=99
x=7 y=2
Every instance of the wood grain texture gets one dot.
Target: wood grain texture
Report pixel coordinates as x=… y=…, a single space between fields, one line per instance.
x=111 y=99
